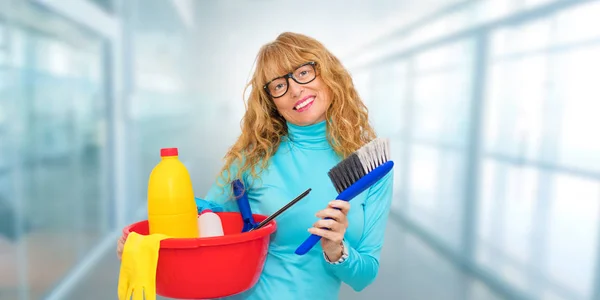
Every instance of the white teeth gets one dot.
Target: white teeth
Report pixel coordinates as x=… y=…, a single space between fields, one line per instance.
x=304 y=103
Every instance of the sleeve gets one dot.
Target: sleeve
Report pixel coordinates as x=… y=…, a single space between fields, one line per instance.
x=362 y=265
x=219 y=197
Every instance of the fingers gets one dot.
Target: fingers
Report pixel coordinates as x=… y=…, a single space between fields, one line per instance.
x=120 y=246
x=333 y=222
x=344 y=206
x=333 y=229
x=330 y=235
x=335 y=209
x=332 y=213
x=329 y=224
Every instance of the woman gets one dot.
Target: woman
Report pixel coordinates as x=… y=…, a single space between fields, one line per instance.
x=303 y=117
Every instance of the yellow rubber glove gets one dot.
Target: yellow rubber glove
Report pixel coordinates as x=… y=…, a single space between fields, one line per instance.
x=137 y=277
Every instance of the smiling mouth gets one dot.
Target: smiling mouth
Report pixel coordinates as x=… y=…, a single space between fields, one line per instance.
x=304 y=103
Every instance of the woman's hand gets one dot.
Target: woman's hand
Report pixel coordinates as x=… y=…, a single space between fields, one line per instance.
x=120 y=246
x=332 y=239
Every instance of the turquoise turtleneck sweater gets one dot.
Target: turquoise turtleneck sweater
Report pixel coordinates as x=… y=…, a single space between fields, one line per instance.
x=302 y=161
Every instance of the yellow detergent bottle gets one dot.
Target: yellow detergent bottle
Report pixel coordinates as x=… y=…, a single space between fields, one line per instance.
x=171 y=207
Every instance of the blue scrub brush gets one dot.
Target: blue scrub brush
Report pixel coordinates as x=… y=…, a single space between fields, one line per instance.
x=244 y=205
x=355 y=174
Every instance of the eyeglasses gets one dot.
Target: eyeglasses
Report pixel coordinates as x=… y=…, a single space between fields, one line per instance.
x=302 y=75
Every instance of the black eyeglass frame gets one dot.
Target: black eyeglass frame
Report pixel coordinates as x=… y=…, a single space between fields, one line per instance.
x=287 y=78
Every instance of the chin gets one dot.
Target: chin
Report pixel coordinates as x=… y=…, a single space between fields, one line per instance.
x=312 y=121
x=304 y=123
x=305 y=120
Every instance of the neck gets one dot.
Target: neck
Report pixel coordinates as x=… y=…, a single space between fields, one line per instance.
x=312 y=136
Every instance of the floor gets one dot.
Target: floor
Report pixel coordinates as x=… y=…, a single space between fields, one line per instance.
x=49 y=256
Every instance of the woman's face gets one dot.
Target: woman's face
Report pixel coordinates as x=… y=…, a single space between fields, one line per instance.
x=302 y=104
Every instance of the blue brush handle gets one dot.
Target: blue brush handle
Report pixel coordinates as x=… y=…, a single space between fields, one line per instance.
x=243 y=204
x=348 y=194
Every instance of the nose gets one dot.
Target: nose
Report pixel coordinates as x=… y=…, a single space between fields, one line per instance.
x=295 y=89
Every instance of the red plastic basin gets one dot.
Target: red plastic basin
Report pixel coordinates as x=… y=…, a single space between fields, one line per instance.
x=205 y=268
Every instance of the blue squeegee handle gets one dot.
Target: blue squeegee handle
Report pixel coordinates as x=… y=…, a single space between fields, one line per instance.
x=243 y=204
x=348 y=194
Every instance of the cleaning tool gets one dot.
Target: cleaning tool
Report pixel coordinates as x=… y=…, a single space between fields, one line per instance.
x=355 y=174
x=241 y=196
x=171 y=207
x=244 y=205
x=277 y=213
x=137 y=277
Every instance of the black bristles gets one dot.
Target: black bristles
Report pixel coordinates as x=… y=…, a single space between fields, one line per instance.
x=357 y=169
x=359 y=163
x=346 y=172
x=348 y=175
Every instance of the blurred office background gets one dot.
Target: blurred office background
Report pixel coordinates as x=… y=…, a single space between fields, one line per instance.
x=492 y=108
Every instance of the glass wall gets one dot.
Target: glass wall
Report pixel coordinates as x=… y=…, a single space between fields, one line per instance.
x=540 y=195
x=494 y=130
x=84 y=112
x=54 y=188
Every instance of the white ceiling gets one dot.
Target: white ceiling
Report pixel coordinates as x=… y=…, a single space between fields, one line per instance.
x=341 y=25
x=229 y=33
x=216 y=53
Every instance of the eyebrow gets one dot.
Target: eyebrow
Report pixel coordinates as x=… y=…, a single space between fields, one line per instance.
x=286 y=73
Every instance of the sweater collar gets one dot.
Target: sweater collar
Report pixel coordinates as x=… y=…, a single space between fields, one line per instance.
x=311 y=136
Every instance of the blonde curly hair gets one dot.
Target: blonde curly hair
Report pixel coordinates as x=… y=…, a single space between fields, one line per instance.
x=263 y=127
